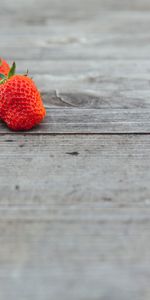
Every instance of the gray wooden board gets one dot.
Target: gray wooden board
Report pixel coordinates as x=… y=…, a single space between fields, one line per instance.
x=74 y=217
x=107 y=171
x=92 y=84
x=108 y=48
x=74 y=120
x=74 y=191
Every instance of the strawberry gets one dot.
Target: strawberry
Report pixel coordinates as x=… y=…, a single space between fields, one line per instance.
x=4 y=67
x=21 y=106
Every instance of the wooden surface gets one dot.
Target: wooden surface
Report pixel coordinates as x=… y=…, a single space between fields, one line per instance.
x=75 y=191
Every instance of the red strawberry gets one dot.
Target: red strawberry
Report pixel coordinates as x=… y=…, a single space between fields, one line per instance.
x=4 y=67
x=21 y=106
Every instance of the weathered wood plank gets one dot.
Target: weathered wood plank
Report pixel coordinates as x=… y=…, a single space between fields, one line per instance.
x=50 y=12
x=50 y=6
x=72 y=213
x=50 y=37
x=76 y=120
x=128 y=69
x=101 y=171
x=102 y=99
x=109 y=36
x=78 y=52
x=92 y=84
x=96 y=261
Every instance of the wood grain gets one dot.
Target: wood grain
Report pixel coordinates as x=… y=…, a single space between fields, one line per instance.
x=110 y=47
x=91 y=121
x=72 y=211
x=105 y=171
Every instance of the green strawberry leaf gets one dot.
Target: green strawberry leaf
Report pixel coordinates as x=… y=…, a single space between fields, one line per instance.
x=2 y=81
x=12 y=70
x=3 y=76
x=0 y=62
